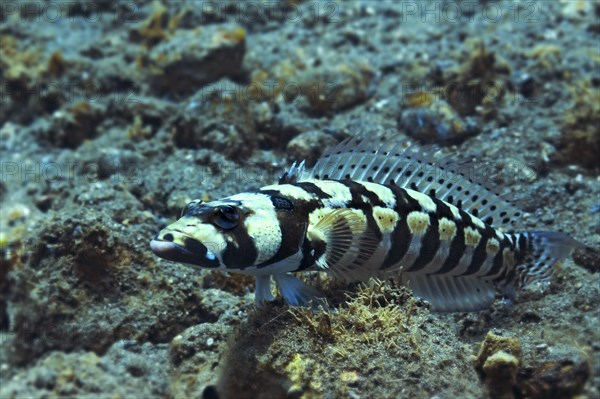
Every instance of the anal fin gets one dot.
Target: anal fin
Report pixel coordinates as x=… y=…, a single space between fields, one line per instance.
x=452 y=294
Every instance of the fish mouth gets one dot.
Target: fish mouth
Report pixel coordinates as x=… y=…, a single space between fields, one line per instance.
x=192 y=251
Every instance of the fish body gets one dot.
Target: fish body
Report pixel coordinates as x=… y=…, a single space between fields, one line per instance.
x=367 y=211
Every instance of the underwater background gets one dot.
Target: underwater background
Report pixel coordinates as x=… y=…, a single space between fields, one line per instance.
x=115 y=114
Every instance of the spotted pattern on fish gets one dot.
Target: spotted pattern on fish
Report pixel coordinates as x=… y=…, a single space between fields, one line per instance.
x=356 y=219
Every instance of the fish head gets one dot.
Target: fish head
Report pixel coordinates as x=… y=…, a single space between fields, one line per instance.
x=238 y=233
x=196 y=237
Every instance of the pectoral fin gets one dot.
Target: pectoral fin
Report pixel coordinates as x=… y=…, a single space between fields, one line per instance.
x=344 y=242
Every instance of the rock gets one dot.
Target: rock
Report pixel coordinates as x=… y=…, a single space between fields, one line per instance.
x=580 y=140
x=589 y=258
x=194 y=355
x=494 y=343
x=381 y=344
x=435 y=122
x=127 y=370
x=497 y=362
x=197 y=340
x=500 y=371
x=218 y=118
x=476 y=86
x=577 y=10
x=144 y=115
x=560 y=378
x=308 y=146
x=121 y=163
x=191 y=59
x=328 y=90
x=527 y=85
x=560 y=373
x=81 y=255
x=73 y=124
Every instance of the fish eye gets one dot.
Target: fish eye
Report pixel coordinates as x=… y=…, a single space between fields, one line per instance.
x=226 y=217
x=189 y=206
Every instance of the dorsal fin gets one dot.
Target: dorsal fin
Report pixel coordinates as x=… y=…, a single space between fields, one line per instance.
x=417 y=168
x=292 y=174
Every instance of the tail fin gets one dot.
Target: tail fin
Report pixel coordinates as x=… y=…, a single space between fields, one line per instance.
x=541 y=251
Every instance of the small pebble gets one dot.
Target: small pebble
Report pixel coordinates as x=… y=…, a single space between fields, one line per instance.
x=541 y=347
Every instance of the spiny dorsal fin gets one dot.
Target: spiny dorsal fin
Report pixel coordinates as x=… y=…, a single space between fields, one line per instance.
x=292 y=174
x=417 y=168
x=348 y=244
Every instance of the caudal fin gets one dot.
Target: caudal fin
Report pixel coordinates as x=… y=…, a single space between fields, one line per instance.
x=542 y=250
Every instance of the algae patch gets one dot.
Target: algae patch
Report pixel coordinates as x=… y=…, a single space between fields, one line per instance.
x=382 y=341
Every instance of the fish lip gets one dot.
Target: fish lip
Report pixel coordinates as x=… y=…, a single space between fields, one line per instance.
x=160 y=247
x=174 y=252
x=177 y=253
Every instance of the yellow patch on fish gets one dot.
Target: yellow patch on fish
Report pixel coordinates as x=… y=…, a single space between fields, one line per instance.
x=472 y=237
x=385 y=218
x=418 y=222
x=447 y=229
x=492 y=246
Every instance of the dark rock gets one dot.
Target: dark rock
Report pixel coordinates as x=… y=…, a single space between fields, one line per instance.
x=588 y=258
x=563 y=376
x=113 y=161
x=527 y=85
x=328 y=90
x=436 y=123
x=219 y=118
x=74 y=124
x=193 y=58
